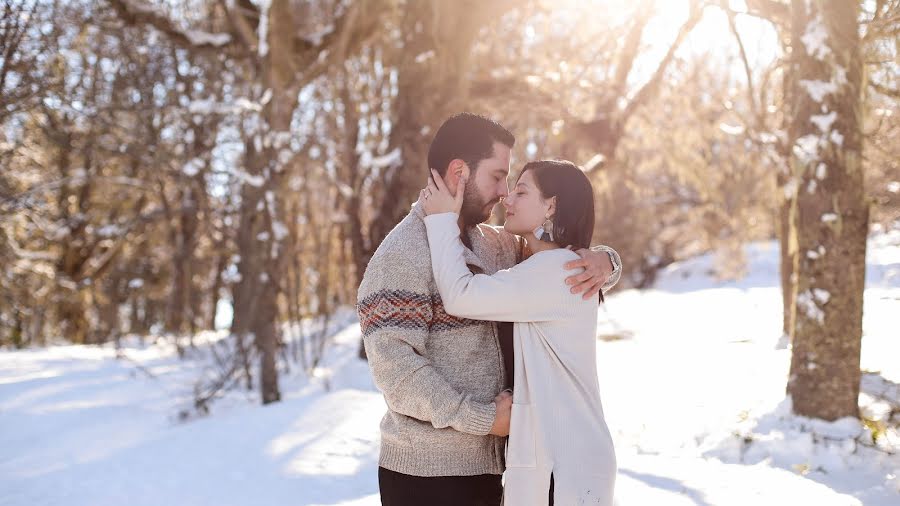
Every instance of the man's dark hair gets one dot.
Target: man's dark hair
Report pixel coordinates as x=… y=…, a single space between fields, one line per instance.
x=468 y=137
x=573 y=221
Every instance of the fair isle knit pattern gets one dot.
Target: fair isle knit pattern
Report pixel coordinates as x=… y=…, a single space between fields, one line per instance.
x=403 y=309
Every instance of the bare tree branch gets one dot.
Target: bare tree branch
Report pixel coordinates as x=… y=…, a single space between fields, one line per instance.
x=884 y=90
x=649 y=89
x=751 y=94
x=777 y=12
x=240 y=25
x=137 y=12
x=352 y=29
x=630 y=51
x=11 y=203
x=512 y=92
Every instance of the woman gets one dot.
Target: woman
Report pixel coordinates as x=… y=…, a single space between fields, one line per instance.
x=557 y=428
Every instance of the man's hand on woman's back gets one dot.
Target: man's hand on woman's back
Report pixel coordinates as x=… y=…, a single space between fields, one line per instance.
x=597 y=270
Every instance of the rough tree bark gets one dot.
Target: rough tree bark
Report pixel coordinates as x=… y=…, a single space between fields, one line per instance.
x=830 y=214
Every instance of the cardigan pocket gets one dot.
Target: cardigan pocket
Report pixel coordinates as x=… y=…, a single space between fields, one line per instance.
x=520 y=452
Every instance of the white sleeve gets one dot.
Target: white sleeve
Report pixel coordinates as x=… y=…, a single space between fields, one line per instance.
x=533 y=290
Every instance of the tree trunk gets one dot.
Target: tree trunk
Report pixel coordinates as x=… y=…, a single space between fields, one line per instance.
x=353 y=177
x=785 y=199
x=73 y=315
x=137 y=322
x=830 y=213
x=787 y=256
x=108 y=302
x=215 y=291
x=183 y=222
x=260 y=238
x=434 y=63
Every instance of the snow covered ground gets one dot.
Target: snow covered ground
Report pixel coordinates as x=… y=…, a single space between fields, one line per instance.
x=691 y=374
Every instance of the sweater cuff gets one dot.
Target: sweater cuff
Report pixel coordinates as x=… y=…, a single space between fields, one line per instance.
x=616 y=261
x=480 y=418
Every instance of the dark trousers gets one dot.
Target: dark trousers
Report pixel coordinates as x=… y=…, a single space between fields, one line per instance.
x=399 y=489
x=551 y=490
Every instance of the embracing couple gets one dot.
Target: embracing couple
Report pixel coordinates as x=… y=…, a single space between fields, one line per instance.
x=475 y=333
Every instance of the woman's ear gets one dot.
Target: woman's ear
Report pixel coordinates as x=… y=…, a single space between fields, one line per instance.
x=552 y=209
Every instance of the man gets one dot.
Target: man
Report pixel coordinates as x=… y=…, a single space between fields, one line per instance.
x=445 y=379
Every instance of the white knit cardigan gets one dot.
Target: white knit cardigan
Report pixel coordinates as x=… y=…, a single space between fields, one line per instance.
x=557 y=423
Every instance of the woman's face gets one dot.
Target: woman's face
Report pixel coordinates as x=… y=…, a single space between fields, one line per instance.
x=526 y=210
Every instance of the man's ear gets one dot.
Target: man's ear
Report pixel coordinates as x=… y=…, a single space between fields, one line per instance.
x=457 y=170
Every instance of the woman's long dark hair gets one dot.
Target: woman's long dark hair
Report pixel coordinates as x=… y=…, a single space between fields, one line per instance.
x=573 y=222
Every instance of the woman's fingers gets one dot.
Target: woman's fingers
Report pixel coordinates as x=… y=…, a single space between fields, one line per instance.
x=438 y=197
x=423 y=201
x=460 y=194
x=432 y=188
x=439 y=181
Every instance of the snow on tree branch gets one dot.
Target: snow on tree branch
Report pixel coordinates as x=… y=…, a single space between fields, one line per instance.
x=137 y=12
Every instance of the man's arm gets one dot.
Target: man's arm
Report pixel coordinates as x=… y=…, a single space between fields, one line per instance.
x=602 y=265
x=395 y=326
x=602 y=270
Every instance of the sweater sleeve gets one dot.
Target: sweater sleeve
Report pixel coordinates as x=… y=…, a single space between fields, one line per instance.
x=395 y=325
x=617 y=273
x=533 y=290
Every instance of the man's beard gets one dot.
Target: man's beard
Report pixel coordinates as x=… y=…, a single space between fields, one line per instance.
x=474 y=207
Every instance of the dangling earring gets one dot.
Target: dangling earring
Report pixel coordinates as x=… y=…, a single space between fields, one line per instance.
x=545 y=231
